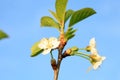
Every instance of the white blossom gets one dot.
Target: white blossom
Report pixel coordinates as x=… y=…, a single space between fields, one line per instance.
x=96 y=59
x=48 y=44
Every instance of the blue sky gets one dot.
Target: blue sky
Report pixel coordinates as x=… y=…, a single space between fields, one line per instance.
x=21 y=20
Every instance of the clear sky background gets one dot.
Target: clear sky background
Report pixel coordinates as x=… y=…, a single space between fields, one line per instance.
x=21 y=20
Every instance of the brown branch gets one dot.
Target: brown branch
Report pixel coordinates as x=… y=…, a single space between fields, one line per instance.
x=60 y=56
x=56 y=71
x=65 y=54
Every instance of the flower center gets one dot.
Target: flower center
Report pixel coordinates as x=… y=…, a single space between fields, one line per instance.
x=95 y=58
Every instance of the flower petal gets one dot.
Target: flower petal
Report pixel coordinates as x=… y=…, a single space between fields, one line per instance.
x=97 y=64
x=54 y=42
x=92 y=43
x=43 y=43
x=103 y=58
x=46 y=51
x=94 y=51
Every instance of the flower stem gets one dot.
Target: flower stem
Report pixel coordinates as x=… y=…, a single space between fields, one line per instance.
x=51 y=55
x=81 y=53
x=86 y=56
x=82 y=49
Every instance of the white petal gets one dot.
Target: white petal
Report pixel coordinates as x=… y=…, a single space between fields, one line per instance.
x=43 y=43
x=92 y=43
x=46 y=51
x=54 y=42
x=94 y=51
x=96 y=65
x=103 y=58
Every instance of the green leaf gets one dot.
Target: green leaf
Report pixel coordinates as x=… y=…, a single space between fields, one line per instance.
x=36 y=50
x=54 y=14
x=80 y=15
x=70 y=33
x=3 y=35
x=70 y=36
x=60 y=9
x=68 y=14
x=47 y=21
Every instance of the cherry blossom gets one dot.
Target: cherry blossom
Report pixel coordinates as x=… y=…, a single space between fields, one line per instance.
x=48 y=44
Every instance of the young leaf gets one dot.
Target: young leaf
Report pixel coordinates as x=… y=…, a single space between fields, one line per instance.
x=70 y=33
x=3 y=35
x=47 y=21
x=71 y=36
x=35 y=50
x=60 y=9
x=54 y=14
x=80 y=15
x=68 y=14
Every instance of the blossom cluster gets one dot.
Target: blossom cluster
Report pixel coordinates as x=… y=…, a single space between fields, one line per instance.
x=49 y=44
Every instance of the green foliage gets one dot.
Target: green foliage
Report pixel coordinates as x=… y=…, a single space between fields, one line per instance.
x=70 y=33
x=54 y=15
x=61 y=9
x=47 y=21
x=36 y=50
x=61 y=16
x=80 y=15
x=3 y=35
x=68 y=14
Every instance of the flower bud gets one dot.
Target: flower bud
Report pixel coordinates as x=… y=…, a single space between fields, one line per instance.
x=53 y=64
x=74 y=48
x=68 y=51
x=88 y=48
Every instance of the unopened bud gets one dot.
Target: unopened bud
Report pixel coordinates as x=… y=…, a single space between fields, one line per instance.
x=74 y=48
x=53 y=64
x=68 y=51
x=88 y=48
